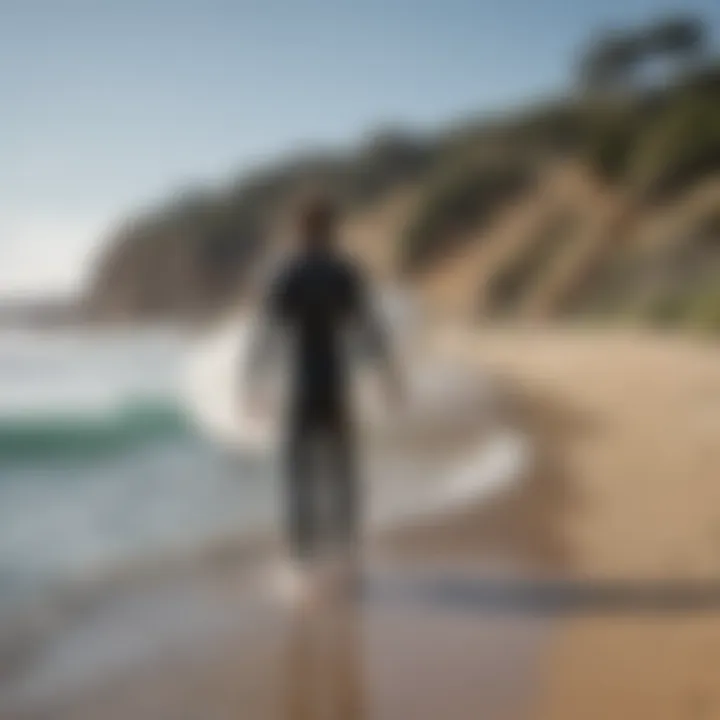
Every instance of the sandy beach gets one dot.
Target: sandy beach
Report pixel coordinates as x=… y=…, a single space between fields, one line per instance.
x=588 y=591
x=631 y=422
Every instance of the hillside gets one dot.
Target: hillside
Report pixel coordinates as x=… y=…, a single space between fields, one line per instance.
x=194 y=255
x=595 y=204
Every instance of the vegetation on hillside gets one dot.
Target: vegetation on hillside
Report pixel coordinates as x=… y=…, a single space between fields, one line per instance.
x=464 y=195
x=654 y=144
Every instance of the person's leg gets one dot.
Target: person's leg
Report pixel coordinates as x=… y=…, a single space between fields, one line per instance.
x=343 y=485
x=300 y=521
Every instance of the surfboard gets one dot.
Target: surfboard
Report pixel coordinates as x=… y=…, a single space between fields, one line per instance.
x=215 y=387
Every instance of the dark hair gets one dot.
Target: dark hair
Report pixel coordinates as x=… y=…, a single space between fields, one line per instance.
x=316 y=217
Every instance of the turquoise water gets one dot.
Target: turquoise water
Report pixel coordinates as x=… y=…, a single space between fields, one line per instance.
x=100 y=463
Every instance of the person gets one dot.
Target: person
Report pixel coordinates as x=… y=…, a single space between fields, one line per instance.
x=318 y=299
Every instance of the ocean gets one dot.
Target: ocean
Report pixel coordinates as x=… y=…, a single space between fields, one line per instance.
x=101 y=462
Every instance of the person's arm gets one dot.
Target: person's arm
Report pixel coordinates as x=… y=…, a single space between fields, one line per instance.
x=377 y=336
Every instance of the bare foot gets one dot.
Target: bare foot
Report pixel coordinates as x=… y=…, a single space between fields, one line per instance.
x=291 y=581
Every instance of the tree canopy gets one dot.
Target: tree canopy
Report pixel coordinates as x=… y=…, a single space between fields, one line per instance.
x=615 y=58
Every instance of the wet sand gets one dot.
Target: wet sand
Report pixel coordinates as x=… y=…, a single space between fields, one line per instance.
x=426 y=637
x=221 y=649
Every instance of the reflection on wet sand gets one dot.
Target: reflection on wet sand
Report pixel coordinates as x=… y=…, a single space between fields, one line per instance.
x=206 y=648
x=324 y=662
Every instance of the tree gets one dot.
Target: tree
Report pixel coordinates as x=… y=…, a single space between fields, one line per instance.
x=610 y=61
x=614 y=60
x=681 y=37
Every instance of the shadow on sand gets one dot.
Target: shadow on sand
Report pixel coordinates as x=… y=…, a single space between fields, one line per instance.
x=551 y=597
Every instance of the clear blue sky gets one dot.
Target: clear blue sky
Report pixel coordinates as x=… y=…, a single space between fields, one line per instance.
x=110 y=104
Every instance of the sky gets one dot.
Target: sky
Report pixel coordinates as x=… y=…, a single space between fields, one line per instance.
x=107 y=106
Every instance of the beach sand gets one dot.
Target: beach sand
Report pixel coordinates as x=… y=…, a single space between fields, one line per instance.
x=633 y=422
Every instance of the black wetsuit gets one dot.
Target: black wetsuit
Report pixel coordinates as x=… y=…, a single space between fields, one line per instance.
x=318 y=298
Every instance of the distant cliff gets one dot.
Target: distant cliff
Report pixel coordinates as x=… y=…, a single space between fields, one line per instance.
x=193 y=255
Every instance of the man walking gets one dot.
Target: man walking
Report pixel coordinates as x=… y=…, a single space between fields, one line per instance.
x=318 y=299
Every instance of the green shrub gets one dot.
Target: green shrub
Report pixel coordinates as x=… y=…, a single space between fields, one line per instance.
x=610 y=139
x=704 y=309
x=457 y=199
x=691 y=307
x=681 y=146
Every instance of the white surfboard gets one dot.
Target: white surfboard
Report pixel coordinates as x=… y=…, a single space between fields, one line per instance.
x=216 y=381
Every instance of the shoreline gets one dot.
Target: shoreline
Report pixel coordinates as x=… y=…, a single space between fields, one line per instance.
x=495 y=467
x=224 y=571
